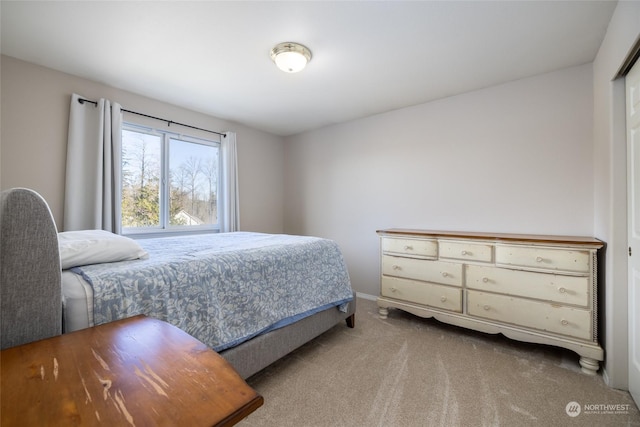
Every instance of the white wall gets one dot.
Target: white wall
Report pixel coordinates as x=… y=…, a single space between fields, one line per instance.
x=610 y=220
x=35 y=116
x=512 y=158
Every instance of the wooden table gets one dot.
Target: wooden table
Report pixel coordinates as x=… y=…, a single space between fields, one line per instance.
x=133 y=372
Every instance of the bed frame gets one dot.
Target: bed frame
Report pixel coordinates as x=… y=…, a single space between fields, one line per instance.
x=258 y=353
x=32 y=297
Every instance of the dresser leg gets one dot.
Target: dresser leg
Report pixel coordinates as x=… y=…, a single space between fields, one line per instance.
x=384 y=312
x=589 y=366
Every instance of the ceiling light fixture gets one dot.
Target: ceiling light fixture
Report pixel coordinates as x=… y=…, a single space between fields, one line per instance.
x=290 y=57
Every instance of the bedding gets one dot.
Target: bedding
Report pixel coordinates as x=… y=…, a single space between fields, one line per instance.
x=223 y=288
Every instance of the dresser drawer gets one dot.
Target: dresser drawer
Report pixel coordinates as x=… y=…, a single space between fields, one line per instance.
x=446 y=273
x=574 y=322
x=465 y=251
x=568 y=260
x=412 y=247
x=544 y=286
x=443 y=297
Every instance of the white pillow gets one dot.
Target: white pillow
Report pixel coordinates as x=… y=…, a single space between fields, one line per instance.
x=95 y=247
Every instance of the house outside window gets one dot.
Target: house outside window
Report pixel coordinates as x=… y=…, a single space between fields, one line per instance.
x=170 y=182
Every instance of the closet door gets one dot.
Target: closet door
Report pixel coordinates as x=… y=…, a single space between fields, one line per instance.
x=633 y=203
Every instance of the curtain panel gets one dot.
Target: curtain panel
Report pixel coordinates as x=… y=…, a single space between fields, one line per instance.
x=94 y=161
x=230 y=220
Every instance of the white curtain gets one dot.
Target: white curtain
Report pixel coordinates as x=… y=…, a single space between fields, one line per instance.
x=94 y=162
x=230 y=220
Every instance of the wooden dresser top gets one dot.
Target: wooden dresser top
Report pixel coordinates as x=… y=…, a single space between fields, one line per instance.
x=137 y=371
x=590 y=242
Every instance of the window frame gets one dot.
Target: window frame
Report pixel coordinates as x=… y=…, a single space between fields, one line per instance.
x=165 y=229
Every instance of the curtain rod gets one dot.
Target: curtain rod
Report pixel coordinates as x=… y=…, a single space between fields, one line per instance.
x=169 y=122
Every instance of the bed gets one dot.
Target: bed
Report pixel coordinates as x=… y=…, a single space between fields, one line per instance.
x=261 y=283
x=270 y=294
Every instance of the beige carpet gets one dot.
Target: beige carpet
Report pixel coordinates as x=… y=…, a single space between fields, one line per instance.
x=408 y=371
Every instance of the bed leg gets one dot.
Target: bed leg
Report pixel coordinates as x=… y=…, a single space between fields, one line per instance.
x=351 y=321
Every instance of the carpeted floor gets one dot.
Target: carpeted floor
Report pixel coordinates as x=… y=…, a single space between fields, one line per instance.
x=408 y=371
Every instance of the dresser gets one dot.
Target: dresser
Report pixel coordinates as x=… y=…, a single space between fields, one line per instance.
x=538 y=289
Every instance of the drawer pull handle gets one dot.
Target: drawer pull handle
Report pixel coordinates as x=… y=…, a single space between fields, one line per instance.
x=486 y=307
x=485 y=279
x=443 y=299
x=465 y=253
x=539 y=259
x=396 y=267
x=564 y=322
x=445 y=274
x=408 y=248
x=393 y=290
x=562 y=290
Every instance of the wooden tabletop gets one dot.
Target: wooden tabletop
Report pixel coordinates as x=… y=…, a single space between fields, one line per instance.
x=134 y=372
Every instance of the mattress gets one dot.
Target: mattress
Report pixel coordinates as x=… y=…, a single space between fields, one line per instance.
x=77 y=302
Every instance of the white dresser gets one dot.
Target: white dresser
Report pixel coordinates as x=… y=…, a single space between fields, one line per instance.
x=539 y=289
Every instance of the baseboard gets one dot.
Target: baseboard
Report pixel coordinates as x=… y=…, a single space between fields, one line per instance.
x=366 y=296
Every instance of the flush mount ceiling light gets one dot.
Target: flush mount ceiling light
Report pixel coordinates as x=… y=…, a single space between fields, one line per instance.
x=290 y=57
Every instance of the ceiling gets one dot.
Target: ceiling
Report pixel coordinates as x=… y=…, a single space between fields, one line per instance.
x=369 y=57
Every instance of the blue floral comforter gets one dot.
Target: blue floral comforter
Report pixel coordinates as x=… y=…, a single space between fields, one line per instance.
x=223 y=288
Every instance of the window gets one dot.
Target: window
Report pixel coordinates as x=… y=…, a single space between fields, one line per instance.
x=170 y=182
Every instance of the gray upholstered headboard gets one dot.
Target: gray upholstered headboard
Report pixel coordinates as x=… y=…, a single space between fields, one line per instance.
x=30 y=273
